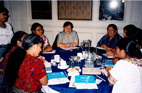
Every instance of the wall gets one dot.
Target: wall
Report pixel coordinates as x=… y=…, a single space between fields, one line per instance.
x=93 y=30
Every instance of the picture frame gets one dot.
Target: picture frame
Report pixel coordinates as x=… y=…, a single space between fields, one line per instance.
x=111 y=10
x=75 y=10
x=41 y=9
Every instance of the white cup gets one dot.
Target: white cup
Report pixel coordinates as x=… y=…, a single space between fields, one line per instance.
x=63 y=63
x=57 y=58
x=80 y=55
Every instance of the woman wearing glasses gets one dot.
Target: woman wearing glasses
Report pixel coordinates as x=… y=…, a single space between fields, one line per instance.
x=38 y=30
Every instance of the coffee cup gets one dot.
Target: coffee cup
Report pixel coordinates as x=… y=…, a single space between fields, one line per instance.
x=63 y=63
x=57 y=58
x=80 y=55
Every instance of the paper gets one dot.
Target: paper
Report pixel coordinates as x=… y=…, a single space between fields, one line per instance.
x=101 y=48
x=72 y=82
x=50 y=52
x=57 y=78
x=107 y=56
x=85 y=82
x=47 y=67
x=104 y=72
x=69 y=48
x=91 y=71
x=98 y=81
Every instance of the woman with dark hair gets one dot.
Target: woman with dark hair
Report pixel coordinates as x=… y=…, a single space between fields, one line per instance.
x=16 y=42
x=6 y=32
x=25 y=72
x=126 y=75
x=129 y=31
x=38 y=30
x=68 y=37
x=109 y=40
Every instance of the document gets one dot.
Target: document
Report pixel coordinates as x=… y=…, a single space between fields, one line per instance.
x=85 y=82
x=57 y=78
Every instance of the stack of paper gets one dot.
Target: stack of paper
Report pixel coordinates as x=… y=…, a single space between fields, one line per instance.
x=91 y=71
x=85 y=82
x=57 y=78
x=48 y=67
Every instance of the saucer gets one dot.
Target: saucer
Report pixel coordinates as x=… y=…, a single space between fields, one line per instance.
x=60 y=67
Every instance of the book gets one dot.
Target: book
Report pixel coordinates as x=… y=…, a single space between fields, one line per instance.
x=85 y=82
x=57 y=78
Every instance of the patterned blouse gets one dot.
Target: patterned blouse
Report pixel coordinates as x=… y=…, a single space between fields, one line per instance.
x=137 y=62
x=46 y=41
x=5 y=60
x=31 y=71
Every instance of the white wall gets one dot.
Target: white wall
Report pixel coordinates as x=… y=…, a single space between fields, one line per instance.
x=94 y=29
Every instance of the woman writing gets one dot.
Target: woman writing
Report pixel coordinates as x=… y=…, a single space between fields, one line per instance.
x=109 y=40
x=25 y=72
x=67 y=37
x=126 y=75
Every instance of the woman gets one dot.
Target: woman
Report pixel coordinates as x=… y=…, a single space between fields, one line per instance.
x=25 y=72
x=38 y=30
x=16 y=42
x=126 y=75
x=68 y=37
x=6 y=32
x=129 y=31
x=109 y=40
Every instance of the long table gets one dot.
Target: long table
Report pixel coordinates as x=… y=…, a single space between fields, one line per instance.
x=103 y=87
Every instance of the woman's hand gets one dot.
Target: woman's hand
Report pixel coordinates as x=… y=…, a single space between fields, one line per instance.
x=108 y=68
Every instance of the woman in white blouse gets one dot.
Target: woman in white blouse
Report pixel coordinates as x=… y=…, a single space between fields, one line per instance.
x=126 y=75
x=6 y=32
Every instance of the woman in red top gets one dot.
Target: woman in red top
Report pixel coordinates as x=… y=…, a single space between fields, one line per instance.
x=31 y=74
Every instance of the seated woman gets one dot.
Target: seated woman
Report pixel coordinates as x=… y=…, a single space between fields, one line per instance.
x=129 y=31
x=109 y=40
x=126 y=75
x=6 y=32
x=38 y=30
x=16 y=42
x=25 y=72
x=68 y=37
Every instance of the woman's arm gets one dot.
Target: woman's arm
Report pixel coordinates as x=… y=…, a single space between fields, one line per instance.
x=63 y=45
x=47 y=48
x=44 y=80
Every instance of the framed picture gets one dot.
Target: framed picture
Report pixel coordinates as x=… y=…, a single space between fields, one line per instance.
x=75 y=10
x=111 y=10
x=41 y=9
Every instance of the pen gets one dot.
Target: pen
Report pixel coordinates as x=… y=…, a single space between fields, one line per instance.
x=100 y=78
